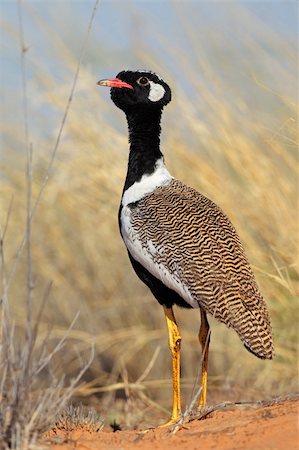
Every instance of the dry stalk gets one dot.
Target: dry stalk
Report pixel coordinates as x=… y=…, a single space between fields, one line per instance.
x=27 y=407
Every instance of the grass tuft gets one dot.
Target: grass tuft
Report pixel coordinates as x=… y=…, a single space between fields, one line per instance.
x=77 y=417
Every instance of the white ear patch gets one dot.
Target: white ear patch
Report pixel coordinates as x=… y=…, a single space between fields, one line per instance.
x=157 y=91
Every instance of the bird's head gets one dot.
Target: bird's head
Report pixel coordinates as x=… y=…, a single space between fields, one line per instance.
x=131 y=90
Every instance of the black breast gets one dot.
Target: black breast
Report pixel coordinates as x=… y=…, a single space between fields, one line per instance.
x=165 y=296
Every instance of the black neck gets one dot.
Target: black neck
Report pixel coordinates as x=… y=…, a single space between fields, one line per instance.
x=144 y=139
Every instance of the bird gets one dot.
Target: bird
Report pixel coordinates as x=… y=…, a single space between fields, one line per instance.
x=180 y=243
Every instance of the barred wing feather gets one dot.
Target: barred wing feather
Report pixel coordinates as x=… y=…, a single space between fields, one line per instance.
x=187 y=242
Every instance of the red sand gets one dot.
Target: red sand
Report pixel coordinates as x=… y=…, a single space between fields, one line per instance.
x=268 y=427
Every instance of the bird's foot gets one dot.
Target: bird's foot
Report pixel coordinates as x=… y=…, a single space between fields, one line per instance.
x=201 y=408
x=202 y=404
x=170 y=422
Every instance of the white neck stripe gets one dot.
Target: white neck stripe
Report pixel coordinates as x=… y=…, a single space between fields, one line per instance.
x=147 y=184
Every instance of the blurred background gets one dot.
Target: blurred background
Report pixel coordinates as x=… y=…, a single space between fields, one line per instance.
x=230 y=132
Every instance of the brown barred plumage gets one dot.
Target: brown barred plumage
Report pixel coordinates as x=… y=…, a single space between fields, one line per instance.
x=194 y=240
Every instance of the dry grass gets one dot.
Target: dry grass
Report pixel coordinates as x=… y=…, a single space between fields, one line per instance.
x=237 y=148
x=74 y=417
x=32 y=391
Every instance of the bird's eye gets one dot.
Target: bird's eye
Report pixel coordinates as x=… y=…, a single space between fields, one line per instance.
x=143 y=81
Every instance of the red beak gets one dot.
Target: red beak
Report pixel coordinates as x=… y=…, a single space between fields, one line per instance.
x=115 y=83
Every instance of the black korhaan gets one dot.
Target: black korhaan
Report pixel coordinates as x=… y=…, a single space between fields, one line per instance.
x=180 y=243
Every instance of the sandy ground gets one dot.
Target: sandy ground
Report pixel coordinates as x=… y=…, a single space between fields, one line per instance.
x=268 y=427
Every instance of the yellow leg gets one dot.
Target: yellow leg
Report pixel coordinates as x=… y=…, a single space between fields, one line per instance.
x=174 y=340
x=204 y=339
